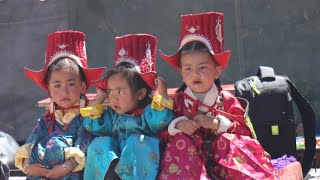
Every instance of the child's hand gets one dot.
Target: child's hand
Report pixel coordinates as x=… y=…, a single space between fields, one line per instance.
x=37 y=169
x=100 y=97
x=204 y=121
x=187 y=126
x=57 y=172
x=162 y=87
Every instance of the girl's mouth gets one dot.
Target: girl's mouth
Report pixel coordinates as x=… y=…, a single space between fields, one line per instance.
x=115 y=107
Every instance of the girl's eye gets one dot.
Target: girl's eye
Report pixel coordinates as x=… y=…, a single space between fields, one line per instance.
x=57 y=86
x=71 y=84
x=115 y=92
x=187 y=69
x=203 y=67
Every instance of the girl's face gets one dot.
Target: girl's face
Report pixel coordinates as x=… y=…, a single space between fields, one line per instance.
x=121 y=97
x=199 y=70
x=65 y=87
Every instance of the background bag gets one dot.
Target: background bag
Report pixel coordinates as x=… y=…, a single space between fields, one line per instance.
x=271 y=113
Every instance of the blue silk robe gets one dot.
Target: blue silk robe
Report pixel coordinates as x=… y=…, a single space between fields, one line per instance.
x=129 y=138
x=49 y=149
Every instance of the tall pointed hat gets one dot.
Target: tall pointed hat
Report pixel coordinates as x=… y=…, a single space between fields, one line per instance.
x=138 y=50
x=65 y=44
x=206 y=28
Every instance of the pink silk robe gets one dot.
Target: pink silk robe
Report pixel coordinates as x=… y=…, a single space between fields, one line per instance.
x=231 y=155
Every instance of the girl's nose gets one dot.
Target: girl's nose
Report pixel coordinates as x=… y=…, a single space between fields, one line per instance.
x=65 y=91
x=113 y=100
x=113 y=97
x=195 y=72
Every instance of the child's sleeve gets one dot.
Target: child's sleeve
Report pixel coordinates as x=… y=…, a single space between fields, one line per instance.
x=97 y=120
x=238 y=125
x=79 y=151
x=39 y=132
x=160 y=114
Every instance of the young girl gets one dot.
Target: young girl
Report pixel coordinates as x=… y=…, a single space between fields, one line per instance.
x=129 y=148
x=210 y=137
x=57 y=145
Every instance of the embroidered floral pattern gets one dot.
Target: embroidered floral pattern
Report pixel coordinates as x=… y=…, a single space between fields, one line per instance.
x=145 y=65
x=192 y=150
x=168 y=158
x=122 y=52
x=62 y=46
x=154 y=156
x=173 y=168
x=180 y=144
x=148 y=55
x=192 y=29
x=222 y=144
x=219 y=32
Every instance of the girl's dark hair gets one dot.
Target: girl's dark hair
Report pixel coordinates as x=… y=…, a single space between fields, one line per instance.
x=196 y=46
x=130 y=73
x=64 y=63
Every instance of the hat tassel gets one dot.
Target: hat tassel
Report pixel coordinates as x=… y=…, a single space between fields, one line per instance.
x=51 y=106
x=83 y=101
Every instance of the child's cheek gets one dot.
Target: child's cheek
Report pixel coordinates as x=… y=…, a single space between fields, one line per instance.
x=185 y=75
x=75 y=90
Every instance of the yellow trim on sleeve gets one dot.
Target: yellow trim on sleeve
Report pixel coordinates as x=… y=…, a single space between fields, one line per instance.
x=160 y=103
x=22 y=153
x=92 y=112
x=77 y=155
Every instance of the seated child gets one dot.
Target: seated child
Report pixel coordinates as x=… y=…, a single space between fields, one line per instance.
x=128 y=148
x=209 y=137
x=57 y=145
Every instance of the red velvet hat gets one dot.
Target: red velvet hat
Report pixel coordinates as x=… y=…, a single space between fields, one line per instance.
x=206 y=28
x=65 y=44
x=139 y=50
